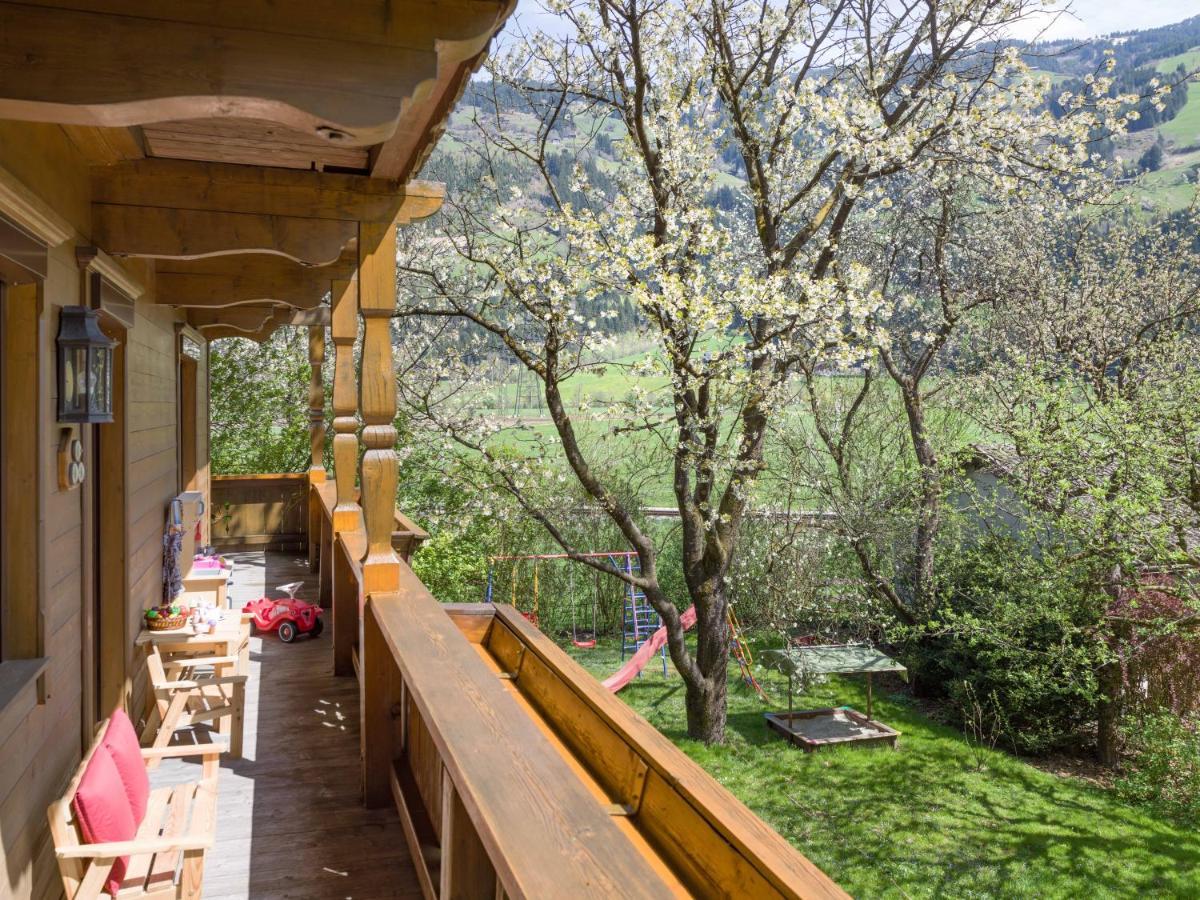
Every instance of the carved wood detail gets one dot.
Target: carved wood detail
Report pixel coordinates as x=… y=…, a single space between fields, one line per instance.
x=316 y=405
x=153 y=231
x=347 y=515
x=377 y=402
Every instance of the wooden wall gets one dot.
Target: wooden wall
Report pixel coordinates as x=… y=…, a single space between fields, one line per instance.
x=39 y=750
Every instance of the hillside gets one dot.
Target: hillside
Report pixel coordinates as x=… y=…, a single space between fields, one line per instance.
x=1172 y=53
x=1164 y=145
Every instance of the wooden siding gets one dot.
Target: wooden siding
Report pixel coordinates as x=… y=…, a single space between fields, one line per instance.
x=40 y=750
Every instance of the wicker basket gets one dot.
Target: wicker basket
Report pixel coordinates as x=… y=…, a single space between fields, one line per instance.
x=166 y=623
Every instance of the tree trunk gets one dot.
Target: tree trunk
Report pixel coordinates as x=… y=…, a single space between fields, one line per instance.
x=1112 y=685
x=707 y=687
x=1109 y=718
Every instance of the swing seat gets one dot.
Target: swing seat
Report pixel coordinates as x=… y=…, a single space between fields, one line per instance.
x=530 y=617
x=586 y=644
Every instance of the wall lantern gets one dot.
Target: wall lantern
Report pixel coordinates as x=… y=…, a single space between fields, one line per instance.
x=84 y=367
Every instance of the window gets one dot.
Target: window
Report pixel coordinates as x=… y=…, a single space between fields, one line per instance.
x=21 y=638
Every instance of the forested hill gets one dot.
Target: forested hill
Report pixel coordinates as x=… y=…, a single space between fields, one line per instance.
x=1132 y=49
x=1164 y=146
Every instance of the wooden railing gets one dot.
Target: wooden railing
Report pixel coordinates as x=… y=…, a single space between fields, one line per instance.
x=517 y=775
x=514 y=772
x=338 y=559
x=260 y=511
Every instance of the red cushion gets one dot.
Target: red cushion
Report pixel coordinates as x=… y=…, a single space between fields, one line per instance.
x=122 y=743
x=103 y=810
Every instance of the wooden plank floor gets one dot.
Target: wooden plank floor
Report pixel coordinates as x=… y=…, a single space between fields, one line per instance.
x=290 y=822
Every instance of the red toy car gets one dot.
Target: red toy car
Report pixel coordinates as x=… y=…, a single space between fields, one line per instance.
x=289 y=617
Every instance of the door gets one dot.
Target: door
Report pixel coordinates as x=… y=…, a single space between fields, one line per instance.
x=108 y=639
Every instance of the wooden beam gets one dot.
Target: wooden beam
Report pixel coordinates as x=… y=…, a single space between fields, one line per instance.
x=226 y=281
x=223 y=187
x=248 y=319
x=405 y=152
x=307 y=318
x=105 y=146
x=218 y=332
x=192 y=234
x=377 y=386
x=80 y=67
x=347 y=515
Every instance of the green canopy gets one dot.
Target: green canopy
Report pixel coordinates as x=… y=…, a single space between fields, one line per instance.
x=832 y=659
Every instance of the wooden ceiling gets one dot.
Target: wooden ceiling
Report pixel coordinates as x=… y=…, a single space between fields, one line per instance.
x=357 y=86
x=251 y=142
x=245 y=144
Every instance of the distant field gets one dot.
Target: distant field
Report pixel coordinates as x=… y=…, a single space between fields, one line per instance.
x=1190 y=60
x=1184 y=129
x=643 y=461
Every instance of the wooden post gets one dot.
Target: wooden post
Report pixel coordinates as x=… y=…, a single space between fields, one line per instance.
x=316 y=427
x=380 y=700
x=347 y=515
x=377 y=401
x=326 y=563
x=466 y=871
x=344 y=612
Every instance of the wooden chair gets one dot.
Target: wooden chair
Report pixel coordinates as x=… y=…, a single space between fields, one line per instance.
x=165 y=856
x=183 y=698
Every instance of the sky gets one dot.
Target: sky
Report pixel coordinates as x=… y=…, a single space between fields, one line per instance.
x=1090 y=18
x=1087 y=18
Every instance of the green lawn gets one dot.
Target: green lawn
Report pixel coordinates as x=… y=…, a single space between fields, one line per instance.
x=924 y=820
x=1184 y=129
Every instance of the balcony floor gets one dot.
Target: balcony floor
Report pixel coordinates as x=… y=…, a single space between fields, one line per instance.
x=290 y=822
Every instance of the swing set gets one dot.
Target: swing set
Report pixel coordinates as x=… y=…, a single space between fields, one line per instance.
x=583 y=639
x=643 y=635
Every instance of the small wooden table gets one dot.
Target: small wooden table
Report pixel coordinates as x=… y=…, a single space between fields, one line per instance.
x=207 y=585
x=230 y=640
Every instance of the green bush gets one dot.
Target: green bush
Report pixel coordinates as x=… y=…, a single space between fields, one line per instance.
x=1162 y=769
x=1014 y=625
x=259 y=417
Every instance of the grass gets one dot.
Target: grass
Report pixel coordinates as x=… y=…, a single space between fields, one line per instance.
x=925 y=820
x=1184 y=129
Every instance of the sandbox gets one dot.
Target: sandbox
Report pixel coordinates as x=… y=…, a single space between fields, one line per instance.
x=811 y=729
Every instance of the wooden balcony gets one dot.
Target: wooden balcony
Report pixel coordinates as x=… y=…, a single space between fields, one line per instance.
x=290 y=818
x=417 y=749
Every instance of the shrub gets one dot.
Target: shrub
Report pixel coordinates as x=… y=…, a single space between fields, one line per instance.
x=1163 y=766
x=1017 y=627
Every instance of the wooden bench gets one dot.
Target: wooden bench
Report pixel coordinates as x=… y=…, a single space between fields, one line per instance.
x=165 y=856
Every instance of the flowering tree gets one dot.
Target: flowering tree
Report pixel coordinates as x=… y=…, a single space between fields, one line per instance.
x=816 y=116
x=879 y=451
x=1095 y=389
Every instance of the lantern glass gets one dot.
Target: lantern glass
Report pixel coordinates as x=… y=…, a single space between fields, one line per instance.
x=85 y=368
x=74 y=381
x=99 y=382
